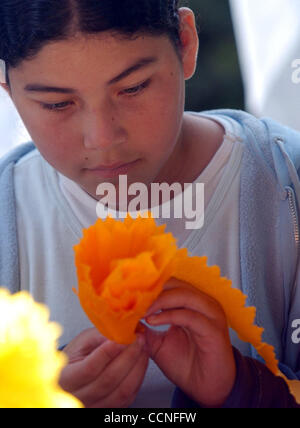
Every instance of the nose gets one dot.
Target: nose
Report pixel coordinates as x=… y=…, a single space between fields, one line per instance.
x=102 y=129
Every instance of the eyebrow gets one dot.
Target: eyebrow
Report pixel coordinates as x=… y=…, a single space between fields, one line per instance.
x=141 y=63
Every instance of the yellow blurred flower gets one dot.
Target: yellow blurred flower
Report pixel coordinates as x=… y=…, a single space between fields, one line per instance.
x=30 y=365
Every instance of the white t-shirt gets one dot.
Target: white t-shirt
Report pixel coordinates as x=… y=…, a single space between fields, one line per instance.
x=52 y=211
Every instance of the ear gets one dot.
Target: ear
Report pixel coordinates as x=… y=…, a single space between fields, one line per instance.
x=2 y=73
x=6 y=88
x=190 y=41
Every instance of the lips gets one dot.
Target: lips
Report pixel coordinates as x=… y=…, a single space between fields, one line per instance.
x=111 y=167
x=114 y=170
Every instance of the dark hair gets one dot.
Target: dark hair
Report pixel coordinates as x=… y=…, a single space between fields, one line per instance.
x=26 y=26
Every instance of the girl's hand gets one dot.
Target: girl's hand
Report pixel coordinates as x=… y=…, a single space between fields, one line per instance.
x=195 y=353
x=103 y=374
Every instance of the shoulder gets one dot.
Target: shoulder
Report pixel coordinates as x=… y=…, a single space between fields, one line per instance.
x=268 y=140
x=26 y=163
x=15 y=155
x=31 y=181
x=289 y=137
x=29 y=178
x=261 y=127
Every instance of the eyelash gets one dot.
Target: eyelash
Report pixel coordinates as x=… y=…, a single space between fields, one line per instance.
x=59 y=107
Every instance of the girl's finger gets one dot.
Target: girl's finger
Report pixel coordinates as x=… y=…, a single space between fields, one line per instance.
x=106 y=381
x=193 y=321
x=177 y=283
x=195 y=300
x=86 y=371
x=103 y=356
x=125 y=394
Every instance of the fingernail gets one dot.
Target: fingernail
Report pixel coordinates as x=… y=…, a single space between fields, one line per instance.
x=152 y=319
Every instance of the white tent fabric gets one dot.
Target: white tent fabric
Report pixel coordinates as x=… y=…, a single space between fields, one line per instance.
x=268 y=34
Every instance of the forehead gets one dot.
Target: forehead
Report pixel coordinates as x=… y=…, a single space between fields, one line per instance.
x=103 y=51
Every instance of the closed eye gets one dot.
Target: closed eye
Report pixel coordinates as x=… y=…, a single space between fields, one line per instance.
x=137 y=89
x=56 y=107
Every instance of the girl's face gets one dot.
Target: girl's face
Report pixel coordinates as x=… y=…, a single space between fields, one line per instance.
x=91 y=102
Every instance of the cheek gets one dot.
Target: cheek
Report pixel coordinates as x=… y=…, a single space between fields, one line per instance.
x=55 y=141
x=157 y=129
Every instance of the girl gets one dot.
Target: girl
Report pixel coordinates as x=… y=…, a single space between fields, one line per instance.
x=100 y=86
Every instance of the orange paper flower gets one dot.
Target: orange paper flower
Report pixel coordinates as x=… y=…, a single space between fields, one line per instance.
x=122 y=267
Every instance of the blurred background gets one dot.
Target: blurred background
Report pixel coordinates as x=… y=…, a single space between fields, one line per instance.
x=248 y=49
x=218 y=80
